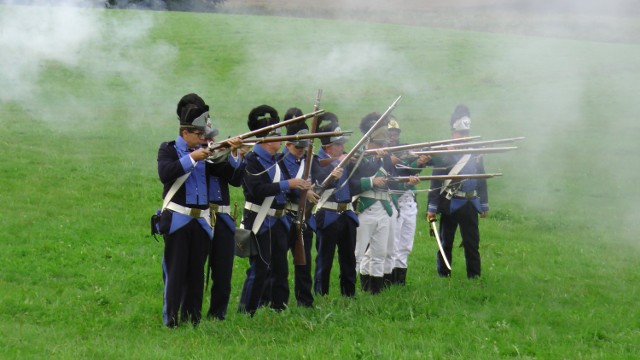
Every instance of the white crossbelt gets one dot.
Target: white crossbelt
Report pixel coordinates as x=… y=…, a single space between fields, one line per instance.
x=378 y=195
x=330 y=205
x=224 y=209
x=196 y=213
x=256 y=208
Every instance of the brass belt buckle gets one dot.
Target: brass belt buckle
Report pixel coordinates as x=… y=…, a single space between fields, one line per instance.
x=194 y=212
x=342 y=207
x=278 y=213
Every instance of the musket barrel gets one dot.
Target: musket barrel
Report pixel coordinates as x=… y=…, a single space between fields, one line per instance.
x=429 y=144
x=479 y=143
x=295 y=137
x=447 y=177
x=224 y=143
x=466 y=151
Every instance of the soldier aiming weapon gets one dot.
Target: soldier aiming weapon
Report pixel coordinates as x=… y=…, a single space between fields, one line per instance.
x=361 y=143
x=299 y=257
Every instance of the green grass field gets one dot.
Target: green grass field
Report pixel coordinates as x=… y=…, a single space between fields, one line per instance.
x=86 y=97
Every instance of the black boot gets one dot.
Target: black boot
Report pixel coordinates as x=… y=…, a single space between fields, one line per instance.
x=387 y=280
x=401 y=276
x=377 y=283
x=365 y=282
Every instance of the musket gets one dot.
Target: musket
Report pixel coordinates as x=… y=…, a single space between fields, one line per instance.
x=424 y=145
x=478 y=143
x=299 y=257
x=466 y=151
x=434 y=231
x=225 y=143
x=294 y=137
x=445 y=177
x=363 y=141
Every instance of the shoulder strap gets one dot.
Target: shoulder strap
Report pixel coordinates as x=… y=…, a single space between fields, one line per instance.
x=455 y=170
x=266 y=205
x=174 y=188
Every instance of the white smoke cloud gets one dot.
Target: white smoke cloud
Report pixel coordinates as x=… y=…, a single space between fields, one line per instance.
x=93 y=48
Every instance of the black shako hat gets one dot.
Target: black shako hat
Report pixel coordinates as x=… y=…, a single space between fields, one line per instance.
x=460 y=119
x=380 y=133
x=195 y=99
x=328 y=122
x=297 y=128
x=194 y=116
x=263 y=116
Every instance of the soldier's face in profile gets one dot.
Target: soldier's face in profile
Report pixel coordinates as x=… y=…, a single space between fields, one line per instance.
x=295 y=151
x=393 y=137
x=335 y=150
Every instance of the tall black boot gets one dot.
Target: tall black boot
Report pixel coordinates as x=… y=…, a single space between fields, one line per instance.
x=377 y=283
x=387 y=280
x=365 y=282
x=401 y=276
x=394 y=276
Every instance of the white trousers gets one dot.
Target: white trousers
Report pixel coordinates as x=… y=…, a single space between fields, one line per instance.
x=371 y=240
x=405 y=229
x=389 y=260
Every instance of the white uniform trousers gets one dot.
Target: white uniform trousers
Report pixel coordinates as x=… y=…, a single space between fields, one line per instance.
x=405 y=229
x=371 y=240
x=389 y=259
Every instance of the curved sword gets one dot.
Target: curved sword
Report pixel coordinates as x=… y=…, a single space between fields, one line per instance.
x=434 y=231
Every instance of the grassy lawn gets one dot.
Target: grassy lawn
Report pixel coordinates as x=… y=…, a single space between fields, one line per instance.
x=87 y=96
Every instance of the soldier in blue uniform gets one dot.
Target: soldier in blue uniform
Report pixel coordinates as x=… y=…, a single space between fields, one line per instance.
x=292 y=164
x=185 y=221
x=228 y=170
x=265 y=188
x=221 y=256
x=459 y=203
x=336 y=221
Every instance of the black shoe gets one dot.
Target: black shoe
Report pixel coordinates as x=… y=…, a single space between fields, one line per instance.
x=401 y=276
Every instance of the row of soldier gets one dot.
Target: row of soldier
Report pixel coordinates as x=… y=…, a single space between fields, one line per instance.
x=364 y=214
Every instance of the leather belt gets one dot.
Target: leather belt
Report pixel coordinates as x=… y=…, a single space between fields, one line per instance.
x=193 y=212
x=215 y=208
x=378 y=195
x=339 y=207
x=465 y=195
x=272 y=212
x=292 y=207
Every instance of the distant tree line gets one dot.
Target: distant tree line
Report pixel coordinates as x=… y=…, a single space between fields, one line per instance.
x=177 y=5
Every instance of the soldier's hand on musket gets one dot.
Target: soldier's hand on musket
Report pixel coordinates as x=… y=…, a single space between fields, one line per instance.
x=337 y=173
x=300 y=184
x=395 y=160
x=379 y=182
x=200 y=154
x=312 y=197
x=484 y=214
x=234 y=143
x=413 y=180
x=423 y=160
x=431 y=216
x=381 y=153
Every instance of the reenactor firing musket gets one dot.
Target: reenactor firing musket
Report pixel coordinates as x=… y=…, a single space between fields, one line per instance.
x=361 y=143
x=424 y=145
x=225 y=143
x=293 y=137
x=299 y=257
